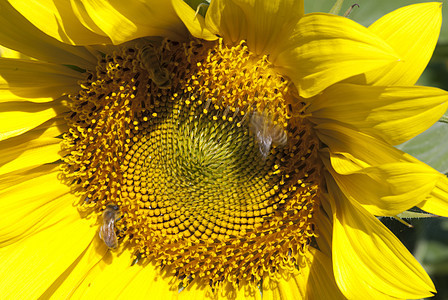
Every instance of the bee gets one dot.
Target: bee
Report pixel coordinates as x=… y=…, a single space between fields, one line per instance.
x=266 y=133
x=107 y=230
x=151 y=63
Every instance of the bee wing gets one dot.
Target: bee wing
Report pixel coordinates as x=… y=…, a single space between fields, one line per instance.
x=107 y=234
x=264 y=143
x=259 y=125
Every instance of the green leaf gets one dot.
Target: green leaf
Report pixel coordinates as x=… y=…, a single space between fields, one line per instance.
x=430 y=147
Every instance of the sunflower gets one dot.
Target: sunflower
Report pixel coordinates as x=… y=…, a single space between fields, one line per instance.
x=149 y=150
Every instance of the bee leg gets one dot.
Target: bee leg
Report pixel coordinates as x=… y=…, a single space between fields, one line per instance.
x=138 y=256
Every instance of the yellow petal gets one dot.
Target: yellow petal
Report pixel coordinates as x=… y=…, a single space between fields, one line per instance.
x=194 y=22
x=6 y=95
x=274 y=288
x=390 y=189
x=146 y=283
x=290 y=285
x=58 y=20
x=396 y=114
x=413 y=32
x=33 y=79
x=226 y=19
x=313 y=280
x=369 y=261
x=324 y=49
x=29 y=150
x=8 y=53
x=324 y=229
x=196 y=290
x=385 y=180
x=321 y=282
x=31 y=265
x=19 y=34
x=261 y=23
x=134 y=282
x=246 y=290
x=49 y=129
x=22 y=175
x=269 y=22
x=30 y=206
x=125 y=21
x=65 y=285
x=361 y=149
x=437 y=202
x=22 y=116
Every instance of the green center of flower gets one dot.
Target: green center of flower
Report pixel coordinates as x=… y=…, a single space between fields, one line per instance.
x=190 y=158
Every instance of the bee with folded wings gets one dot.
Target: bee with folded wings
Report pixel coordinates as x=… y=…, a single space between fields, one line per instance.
x=151 y=63
x=266 y=133
x=107 y=230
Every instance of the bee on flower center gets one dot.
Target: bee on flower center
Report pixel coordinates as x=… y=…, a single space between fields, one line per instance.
x=266 y=133
x=107 y=230
x=151 y=63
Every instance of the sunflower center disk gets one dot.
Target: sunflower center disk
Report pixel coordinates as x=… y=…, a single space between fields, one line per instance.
x=195 y=145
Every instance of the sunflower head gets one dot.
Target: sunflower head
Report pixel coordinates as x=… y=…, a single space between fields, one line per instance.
x=195 y=145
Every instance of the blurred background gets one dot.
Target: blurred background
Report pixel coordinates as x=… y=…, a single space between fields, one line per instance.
x=428 y=240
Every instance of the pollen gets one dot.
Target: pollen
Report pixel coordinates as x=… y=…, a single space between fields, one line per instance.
x=195 y=146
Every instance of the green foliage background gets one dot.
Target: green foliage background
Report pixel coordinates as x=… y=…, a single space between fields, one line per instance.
x=428 y=240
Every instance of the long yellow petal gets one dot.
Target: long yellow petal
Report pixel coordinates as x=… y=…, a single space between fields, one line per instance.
x=226 y=19
x=22 y=175
x=65 y=285
x=268 y=22
x=19 y=34
x=30 y=205
x=361 y=149
x=30 y=266
x=385 y=180
x=389 y=189
x=194 y=22
x=155 y=285
x=134 y=282
x=125 y=21
x=58 y=20
x=33 y=79
x=369 y=261
x=38 y=147
x=198 y=289
x=413 y=32
x=22 y=117
x=313 y=280
x=8 y=53
x=6 y=95
x=396 y=114
x=437 y=202
x=322 y=283
x=290 y=285
x=296 y=281
x=324 y=229
x=324 y=49
x=245 y=291
x=52 y=128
